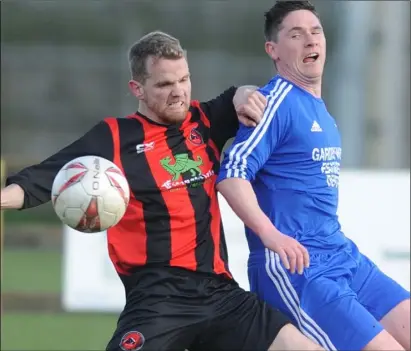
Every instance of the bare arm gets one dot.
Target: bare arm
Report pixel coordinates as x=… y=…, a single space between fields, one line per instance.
x=12 y=197
x=241 y=198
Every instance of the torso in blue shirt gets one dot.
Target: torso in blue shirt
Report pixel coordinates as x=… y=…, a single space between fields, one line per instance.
x=292 y=159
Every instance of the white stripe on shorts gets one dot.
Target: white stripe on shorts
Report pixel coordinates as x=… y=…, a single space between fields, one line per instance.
x=290 y=298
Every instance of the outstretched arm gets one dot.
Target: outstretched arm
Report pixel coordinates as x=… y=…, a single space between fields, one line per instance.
x=31 y=187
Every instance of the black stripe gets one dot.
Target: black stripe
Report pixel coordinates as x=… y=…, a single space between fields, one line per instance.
x=204 y=251
x=213 y=157
x=144 y=187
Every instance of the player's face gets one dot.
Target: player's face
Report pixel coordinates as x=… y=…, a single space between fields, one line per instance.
x=167 y=90
x=300 y=50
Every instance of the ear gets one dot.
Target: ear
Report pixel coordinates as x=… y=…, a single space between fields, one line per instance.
x=271 y=50
x=136 y=89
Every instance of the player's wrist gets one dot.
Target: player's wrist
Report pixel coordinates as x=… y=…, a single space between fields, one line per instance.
x=267 y=229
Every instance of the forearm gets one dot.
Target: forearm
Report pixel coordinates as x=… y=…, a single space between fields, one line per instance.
x=242 y=199
x=12 y=197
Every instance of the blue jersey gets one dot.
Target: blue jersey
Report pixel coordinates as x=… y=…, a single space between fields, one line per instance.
x=292 y=159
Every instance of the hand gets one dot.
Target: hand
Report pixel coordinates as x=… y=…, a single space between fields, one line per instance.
x=293 y=255
x=251 y=112
x=12 y=197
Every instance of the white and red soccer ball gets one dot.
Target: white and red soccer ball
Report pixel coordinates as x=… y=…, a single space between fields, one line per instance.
x=90 y=194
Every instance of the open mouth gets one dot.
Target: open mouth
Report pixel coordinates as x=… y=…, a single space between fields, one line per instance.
x=176 y=104
x=310 y=58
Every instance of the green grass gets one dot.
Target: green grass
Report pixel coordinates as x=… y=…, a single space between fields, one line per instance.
x=38 y=215
x=65 y=331
x=31 y=271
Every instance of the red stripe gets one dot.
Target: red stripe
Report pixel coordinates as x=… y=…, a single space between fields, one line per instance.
x=73 y=180
x=131 y=228
x=180 y=209
x=219 y=264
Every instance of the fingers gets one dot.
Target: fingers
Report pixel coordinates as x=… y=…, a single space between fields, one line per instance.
x=252 y=112
x=246 y=120
x=300 y=262
x=284 y=258
x=306 y=257
x=257 y=103
x=297 y=258
x=260 y=100
x=292 y=258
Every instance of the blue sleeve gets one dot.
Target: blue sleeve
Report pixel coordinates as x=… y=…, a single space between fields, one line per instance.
x=253 y=146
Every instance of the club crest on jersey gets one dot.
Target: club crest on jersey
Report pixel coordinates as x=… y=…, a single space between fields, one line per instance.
x=182 y=164
x=195 y=137
x=132 y=341
x=185 y=171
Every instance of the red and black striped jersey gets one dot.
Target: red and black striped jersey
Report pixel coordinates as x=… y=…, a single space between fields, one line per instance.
x=173 y=218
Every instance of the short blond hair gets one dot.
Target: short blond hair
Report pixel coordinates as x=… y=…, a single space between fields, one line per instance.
x=155 y=44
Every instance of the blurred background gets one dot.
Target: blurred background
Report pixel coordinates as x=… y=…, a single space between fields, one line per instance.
x=64 y=67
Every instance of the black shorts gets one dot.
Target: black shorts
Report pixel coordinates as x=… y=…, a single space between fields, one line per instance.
x=176 y=309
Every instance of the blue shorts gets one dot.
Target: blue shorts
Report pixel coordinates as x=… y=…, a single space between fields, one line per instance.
x=338 y=301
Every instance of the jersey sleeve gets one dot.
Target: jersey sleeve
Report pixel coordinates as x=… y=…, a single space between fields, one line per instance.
x=223 y=118
x=37 y=180
x=253 y=146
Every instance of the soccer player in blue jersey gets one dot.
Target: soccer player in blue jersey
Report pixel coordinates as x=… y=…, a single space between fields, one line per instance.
x=281 y=179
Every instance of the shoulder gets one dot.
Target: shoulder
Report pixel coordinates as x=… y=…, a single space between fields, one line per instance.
x=126 y=128
x=123 y=122
x=279 y=92
x=195 y=105
x=281 y=97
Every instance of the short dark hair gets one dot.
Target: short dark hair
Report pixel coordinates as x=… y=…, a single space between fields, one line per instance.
x=275 y=16
x=155 y=44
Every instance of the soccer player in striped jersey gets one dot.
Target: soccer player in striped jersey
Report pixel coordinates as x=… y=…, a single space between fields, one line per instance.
x=281 y=178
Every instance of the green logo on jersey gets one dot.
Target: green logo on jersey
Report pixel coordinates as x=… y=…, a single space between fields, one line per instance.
x=182 y=164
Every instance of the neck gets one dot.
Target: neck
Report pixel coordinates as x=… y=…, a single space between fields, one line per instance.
x=312 y=86
x=144 y=110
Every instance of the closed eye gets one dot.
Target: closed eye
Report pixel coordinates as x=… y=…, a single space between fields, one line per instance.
x=163 y=84
x=185 y=78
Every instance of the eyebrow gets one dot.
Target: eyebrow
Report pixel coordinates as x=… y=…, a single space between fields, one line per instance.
x=300 y=29
x=163 y=83
x=168 y=82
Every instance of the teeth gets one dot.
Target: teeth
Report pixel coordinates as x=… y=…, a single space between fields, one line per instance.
x=312 y=55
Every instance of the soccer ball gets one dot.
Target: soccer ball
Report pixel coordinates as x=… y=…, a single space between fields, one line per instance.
x=90 y=194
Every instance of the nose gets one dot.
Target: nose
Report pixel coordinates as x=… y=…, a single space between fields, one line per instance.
x=311 y=41
x=177 y=90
